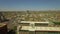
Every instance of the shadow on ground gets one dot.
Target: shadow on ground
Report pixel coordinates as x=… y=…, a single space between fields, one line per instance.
x=11 y=32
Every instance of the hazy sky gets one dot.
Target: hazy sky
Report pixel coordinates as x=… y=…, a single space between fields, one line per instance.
x=29 y=5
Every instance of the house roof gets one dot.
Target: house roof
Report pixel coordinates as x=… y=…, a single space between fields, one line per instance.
x=32 y=22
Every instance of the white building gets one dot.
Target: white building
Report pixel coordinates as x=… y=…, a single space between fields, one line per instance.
x=32 y=26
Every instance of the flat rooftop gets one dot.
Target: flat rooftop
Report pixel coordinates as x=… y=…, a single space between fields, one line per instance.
x=32 y=22
x=37 y=28
x=2 y=24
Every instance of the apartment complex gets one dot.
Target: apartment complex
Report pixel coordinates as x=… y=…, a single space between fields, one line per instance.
x=32 y=27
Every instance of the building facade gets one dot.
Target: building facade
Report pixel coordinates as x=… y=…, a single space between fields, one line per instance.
x=30 y=27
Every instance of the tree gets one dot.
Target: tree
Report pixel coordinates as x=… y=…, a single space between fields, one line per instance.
x=56 y=23
x=2 y=17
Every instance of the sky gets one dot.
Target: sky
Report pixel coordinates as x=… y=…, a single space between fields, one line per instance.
x=21 y=5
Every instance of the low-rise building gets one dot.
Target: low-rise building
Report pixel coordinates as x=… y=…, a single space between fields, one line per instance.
x=33 y=27
x=3 y=28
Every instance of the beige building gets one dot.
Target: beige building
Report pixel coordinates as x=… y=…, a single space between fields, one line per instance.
x=32 y=27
